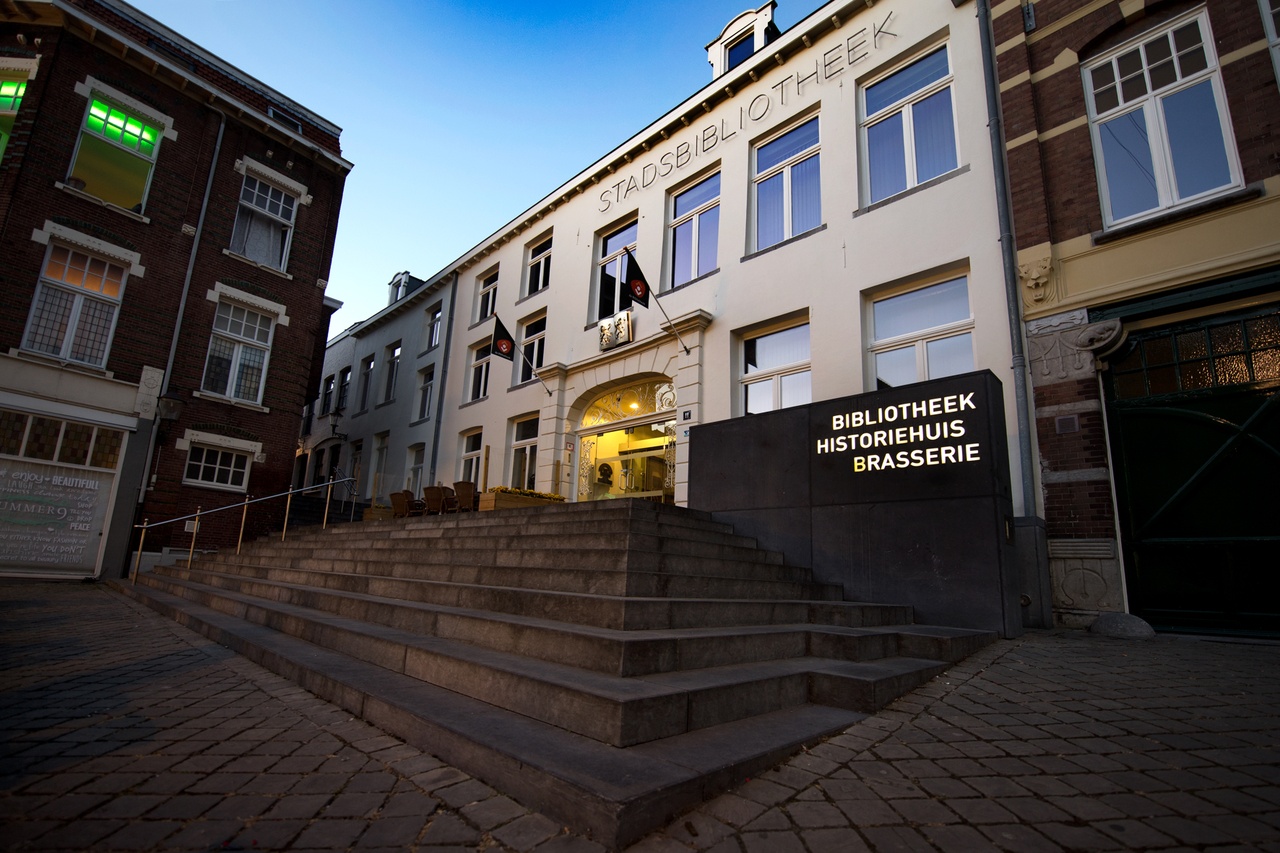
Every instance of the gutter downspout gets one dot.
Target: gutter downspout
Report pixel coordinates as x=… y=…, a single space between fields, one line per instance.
x=444 y=374
x=1004 y=212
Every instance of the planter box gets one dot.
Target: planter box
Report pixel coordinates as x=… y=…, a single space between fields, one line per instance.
x=377 y=513
x=505 y=500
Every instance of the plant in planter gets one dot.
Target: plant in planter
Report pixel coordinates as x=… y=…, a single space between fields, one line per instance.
x=505 y=497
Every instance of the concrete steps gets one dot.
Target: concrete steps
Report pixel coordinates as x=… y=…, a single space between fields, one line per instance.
x=638 y=637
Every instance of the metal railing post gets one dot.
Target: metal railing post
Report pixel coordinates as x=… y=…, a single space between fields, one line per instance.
x=133 y=578
x=328 y=496
x=244 y=515
x=288 y=505
x=195 y=531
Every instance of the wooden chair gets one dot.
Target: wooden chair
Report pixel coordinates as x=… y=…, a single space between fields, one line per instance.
x=468 y=497
x=433 y=497
x=399 y=505
x=450 y=499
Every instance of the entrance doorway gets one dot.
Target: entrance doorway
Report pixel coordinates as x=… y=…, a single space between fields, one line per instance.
x=1194 y=416
x=627 y=444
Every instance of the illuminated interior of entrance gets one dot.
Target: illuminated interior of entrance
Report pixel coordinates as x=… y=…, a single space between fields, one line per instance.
x=635 y=459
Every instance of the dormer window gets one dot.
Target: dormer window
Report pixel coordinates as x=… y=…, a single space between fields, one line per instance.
x=743 y=36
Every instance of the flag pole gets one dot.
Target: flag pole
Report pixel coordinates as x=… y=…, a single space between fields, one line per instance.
x=671 y=325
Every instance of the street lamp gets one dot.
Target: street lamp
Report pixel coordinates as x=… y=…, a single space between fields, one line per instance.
x=334 y=416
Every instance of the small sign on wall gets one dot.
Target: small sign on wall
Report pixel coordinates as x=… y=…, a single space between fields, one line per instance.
x=615 y=330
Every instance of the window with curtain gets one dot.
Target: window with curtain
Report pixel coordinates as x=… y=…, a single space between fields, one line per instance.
x=695 y=226
x=776 y=370
x=910 y=130
x=788 y=187
x=926 y=333
x=264 y=223
x=1158 y=116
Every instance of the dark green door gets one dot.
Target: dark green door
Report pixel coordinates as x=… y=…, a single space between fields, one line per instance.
x=1194 y=414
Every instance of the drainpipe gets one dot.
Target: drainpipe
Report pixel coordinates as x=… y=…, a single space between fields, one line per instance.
x=440 y=383
x=1004 y=212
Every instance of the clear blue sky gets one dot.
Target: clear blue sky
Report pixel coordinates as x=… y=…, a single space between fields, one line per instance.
x=460 y=114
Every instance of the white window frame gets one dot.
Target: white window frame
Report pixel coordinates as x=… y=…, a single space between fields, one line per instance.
x=470 y=461
x=1271 y=23
x=344 y=389
x=326 y=394
x=773 y=375
x=538 y=267
x=227 y=450
x=255 y=204
x=416 y=458
x=614 y=263
x=435 y=319
x=918 y=339
x=93 y=90
x=233 y=308
x=486 y=295
x=694 y=219
x=532 y=348
x=426 y=388
x=524 y=454
x=58 y=239
x=1151 y=106
x=478 y=376
x=905 y=106
x=367 y=365
x=392 y=371
x=785 y=168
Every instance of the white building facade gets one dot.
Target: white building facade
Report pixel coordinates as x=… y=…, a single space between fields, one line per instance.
x=818 y=221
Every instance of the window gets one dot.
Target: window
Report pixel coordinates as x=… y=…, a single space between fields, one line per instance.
x=217 y=467
x=788 y=185
x=344 y=388
x=487 y=296
x=1158 y=115
x=695 y=226
x=393 y=372
x=614 y=295
x=326 y=395
x=426 y=383
x=910 y=128
x=472 y=447
x=480 y=371
x=539 y=267
x=117 y=148
x=73 y=316
x=1270 y=22
x=524 y=453
x=55 y=440
x=379 y=486
x=775 y=370
x=417 y=457
x=922 y=334
x=433 y=327
x=268 y=206
x=534 y=337
x=11 y=93
x=238 y=348
x=366 y=381
x=740 y=51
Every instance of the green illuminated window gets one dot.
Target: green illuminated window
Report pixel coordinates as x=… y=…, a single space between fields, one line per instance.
x=11 y=92
x=121 y=128
x=115 y=156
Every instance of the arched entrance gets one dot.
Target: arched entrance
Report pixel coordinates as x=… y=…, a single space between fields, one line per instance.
x=627 y=444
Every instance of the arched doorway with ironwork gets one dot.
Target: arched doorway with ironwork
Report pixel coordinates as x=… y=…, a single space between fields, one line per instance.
x=627 y=443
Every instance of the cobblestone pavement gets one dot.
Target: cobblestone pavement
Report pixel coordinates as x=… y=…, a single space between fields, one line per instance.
x=123 y=731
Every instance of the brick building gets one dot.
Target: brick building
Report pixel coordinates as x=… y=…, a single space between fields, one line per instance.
x=1145 y=170
x=166 y=227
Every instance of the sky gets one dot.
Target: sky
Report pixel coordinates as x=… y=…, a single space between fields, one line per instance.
x=460 y=114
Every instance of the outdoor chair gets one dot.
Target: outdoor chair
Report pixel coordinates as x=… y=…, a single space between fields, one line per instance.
x=450 y=499
x=468 y=498
x=433 y=497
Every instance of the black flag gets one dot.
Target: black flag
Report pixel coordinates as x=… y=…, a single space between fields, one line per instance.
x=637 y=284
x=504 y=345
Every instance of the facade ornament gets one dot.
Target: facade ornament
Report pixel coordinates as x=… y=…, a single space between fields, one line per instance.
x=1037 y=278
x=1067 y=351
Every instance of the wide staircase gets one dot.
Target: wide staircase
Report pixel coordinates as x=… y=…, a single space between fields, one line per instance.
x=610 y=664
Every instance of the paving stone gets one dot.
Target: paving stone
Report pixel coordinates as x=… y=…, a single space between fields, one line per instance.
x=493 y=812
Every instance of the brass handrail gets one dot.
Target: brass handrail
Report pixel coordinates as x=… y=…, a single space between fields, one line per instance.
x=244 y=515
